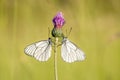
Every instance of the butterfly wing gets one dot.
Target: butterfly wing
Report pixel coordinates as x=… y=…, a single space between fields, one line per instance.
x=70 y=52
x=40 y=50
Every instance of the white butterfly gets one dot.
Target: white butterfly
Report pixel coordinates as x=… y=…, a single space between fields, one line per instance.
x=70 y=52
x=42 y=51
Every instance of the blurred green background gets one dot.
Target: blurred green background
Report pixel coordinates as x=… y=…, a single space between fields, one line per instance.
x=95 y=28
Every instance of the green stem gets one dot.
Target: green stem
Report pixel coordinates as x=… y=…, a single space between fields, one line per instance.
x=55 y=59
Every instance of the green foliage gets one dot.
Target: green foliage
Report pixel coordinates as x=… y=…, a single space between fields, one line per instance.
x=95 y=28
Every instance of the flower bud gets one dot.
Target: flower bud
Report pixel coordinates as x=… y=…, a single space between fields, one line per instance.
x=58 y=20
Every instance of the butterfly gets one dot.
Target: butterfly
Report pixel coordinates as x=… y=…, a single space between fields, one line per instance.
x=42 y=51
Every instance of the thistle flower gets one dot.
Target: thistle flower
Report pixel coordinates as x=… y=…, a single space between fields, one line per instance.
x=58 y=20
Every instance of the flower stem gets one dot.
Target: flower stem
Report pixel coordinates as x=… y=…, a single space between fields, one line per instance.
x=55 y=58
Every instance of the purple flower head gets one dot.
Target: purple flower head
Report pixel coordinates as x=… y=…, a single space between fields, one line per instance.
x=58 y=20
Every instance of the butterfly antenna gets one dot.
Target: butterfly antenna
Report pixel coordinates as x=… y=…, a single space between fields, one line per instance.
x=69 y=32
x=66 y=32
x=48 y=32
